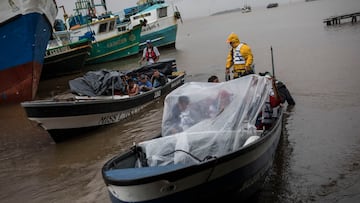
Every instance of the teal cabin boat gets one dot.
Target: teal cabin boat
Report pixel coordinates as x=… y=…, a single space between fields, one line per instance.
x=160 y=22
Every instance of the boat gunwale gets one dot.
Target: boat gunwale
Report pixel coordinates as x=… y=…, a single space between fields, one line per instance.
x=83 y=47
x=54 y=103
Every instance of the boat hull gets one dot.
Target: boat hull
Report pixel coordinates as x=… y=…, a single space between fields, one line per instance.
x=67 y=118
x=234 y=176
x=160 y=23
x=25 y=30
x=19 y=83
x=59 y=63
x=116 y=47
x=161 y=33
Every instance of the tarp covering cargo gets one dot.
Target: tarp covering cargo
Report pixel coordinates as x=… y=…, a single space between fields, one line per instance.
x=102 y=82
x=207 y=120
x=96 y=83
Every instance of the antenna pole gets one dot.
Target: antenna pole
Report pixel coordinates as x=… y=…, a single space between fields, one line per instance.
x=272 y=61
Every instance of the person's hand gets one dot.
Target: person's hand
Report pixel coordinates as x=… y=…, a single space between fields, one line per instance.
x=248 y=70
x=140 y=62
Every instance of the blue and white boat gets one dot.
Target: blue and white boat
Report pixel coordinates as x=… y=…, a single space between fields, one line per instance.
x=25 y=29
x=210 y=152
x=161 y=22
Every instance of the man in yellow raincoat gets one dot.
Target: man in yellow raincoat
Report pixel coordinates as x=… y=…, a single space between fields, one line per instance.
x=240 y=57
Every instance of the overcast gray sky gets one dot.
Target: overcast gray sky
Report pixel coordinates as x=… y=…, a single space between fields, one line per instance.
x=187 y=8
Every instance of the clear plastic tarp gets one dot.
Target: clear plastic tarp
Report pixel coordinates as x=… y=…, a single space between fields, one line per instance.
x=205 y=120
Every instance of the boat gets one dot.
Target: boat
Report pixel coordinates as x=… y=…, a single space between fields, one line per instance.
x=95 y=100
x=160 y=22
x=25 y=28
x=216 y=153
x=246 y=8
x=64 y=57
x=110 y=43
x=272 y=5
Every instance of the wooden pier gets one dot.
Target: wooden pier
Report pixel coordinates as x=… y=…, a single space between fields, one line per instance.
x=334 y=20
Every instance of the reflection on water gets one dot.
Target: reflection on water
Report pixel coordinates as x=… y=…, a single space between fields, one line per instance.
x=46 y=172
x=318 y=155
x=275 y=188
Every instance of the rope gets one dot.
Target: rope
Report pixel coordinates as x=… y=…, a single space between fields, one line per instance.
x=193 y=156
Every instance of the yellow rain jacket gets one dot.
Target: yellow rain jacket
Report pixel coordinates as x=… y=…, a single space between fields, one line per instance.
x=245 y=55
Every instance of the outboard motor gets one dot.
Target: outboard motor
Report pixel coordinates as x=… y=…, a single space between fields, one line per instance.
x=59 y=25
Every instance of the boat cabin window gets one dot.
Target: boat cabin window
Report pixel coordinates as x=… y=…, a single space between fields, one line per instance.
x=162 y=12
x=112 y=25
x=121 y=28
x=103 y=27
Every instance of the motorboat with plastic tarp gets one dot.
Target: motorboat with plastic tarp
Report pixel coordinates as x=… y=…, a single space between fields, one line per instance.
x=209 y=147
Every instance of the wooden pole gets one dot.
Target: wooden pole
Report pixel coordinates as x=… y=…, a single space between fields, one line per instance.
x=272 y=61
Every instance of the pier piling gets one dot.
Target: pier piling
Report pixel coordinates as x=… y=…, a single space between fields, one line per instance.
x=335 y=20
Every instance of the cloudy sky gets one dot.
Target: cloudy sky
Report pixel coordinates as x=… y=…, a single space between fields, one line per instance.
x=188 y=8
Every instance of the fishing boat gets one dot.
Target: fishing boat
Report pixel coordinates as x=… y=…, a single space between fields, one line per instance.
x=272 y=5
x=25 y=28
x=110 y=43
x=96 y=99
x=215 y=151
x=159 y=19
x=64 y=57
x=246 y=8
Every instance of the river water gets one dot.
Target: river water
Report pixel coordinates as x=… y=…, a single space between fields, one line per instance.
x=318 y=159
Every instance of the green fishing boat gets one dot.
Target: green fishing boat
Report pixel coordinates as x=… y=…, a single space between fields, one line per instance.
x=108 y=41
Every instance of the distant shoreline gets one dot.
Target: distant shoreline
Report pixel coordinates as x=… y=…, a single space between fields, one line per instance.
x=226 y=11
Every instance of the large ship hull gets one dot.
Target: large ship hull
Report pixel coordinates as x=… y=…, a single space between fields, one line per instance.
x=25 y=28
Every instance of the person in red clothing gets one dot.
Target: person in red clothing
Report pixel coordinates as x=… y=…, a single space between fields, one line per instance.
x=132 y=88
x=284 y=92
x=265 y=118
x=150 y=53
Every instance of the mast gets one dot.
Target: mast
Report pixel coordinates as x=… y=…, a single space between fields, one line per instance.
x=65 y=14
